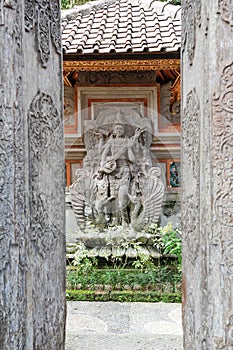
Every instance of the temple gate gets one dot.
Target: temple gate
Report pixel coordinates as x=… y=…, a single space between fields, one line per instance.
x=207 y=209
x=32 y=241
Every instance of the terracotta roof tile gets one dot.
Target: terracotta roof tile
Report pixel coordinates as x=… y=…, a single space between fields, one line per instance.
x=120 y=26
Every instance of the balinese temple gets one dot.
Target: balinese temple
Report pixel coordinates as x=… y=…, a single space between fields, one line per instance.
x=124 y=53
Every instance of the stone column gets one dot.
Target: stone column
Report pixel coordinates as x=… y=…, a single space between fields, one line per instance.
x=207 y=174
x=32 y=242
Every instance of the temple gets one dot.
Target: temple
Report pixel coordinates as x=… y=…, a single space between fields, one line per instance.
x=121 y=58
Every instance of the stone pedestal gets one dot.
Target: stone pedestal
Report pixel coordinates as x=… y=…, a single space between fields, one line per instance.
x=32 y=243
x=207 y=174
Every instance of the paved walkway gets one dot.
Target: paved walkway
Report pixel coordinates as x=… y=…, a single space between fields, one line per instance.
x=123 y=326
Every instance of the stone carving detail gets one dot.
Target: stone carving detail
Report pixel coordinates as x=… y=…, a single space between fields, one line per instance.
x=191 y=19
x=191 y=170
x=117 y=77
x=222 y=163
x=5 y=3
x=227 y=341
x=165 y=96
x=123 y=65
x=222 y=156
x=170 y=103
x=6 y=178
x=69 y=105
x=44 y=135
x=171 y=208
x=44 y=16
x=19 y=147
x=118 y=185
x=226 y=10
x=190 y=321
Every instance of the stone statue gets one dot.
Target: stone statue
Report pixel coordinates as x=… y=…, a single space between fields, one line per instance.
x=118 y=185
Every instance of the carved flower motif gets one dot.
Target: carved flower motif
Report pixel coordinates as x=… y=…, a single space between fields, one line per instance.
x=227 y=101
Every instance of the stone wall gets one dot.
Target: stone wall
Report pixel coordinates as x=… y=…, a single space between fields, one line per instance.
x=207 y=213
x=32 y=240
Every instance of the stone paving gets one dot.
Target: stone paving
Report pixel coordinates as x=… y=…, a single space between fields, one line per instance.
x=123 y=326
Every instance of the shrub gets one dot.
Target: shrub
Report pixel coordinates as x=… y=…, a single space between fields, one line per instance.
x=171 y=242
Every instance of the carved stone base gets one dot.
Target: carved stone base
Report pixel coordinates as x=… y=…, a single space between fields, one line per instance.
x=114 y=242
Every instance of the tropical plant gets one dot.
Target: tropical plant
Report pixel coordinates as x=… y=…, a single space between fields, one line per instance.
x=171 y=241
x=68 y=4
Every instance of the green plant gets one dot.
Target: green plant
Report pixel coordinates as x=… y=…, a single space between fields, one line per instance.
x=119 y=273
x=68 y=4
x=143 y=262
x=171 y=242
x=123 y=296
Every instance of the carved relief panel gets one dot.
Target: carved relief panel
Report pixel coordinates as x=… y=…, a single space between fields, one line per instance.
x=191 y=19
x=70 y=110
x=223 y=164
x=169 y=116
x=125 y=77
x=44 y=17
x=191 y=173
x=45 y=133
x=46 y=202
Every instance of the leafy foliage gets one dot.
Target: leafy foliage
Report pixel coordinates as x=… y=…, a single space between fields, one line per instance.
x=123 y=296
x=171 y=242
x=140 y=273
x=68 y=4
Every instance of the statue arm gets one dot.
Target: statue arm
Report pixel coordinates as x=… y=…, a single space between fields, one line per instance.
x=136 y=135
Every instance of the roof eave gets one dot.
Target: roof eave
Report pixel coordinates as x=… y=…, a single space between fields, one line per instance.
x=119 y=56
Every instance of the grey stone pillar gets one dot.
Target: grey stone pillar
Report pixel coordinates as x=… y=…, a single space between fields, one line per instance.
x=32 y=243
x=207 y=173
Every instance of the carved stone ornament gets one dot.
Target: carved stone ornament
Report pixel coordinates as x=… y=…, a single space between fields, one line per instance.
x=191 y=19
x=165 y=100
x=44 y=17
x=121 y=65
x=190 y=321
x=146 y=77
x=227 y=341
x=6 y=210
x=226 y=11
x=45 y=133
x=69 y=110
x=222 y=155
x=118 y=186
x=222 y=163
x=191 y=171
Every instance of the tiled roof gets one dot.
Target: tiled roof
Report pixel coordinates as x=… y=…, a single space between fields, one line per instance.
x=120 y=26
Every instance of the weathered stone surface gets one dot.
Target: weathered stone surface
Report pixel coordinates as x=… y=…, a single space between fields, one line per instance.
x=32 y=244
x=118 y=184
x=207 y=174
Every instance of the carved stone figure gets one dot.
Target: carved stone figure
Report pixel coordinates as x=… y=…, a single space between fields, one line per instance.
x=118 y=184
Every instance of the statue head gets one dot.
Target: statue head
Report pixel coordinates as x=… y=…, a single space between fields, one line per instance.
x=118 y=131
